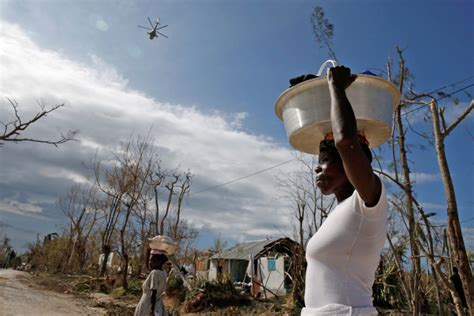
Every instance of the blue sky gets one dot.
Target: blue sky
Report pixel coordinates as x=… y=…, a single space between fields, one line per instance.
x=209 y=92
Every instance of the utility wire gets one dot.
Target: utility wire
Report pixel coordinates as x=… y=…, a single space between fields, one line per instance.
x=241 y=178
x=440 y=98
x=467 y=220
x=444 y=225
x=448 y=85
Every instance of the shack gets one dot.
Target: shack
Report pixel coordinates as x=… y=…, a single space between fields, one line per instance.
x=264 y=265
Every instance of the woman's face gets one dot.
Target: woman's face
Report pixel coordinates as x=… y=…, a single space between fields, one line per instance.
x=330 y=175
x=153 y=263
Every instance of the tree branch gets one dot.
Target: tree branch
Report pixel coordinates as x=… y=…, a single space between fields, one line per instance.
x=458 y=120
x=443 y=120
x=12 y=130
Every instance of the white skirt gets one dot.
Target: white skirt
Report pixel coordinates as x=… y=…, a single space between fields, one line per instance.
x=338 y=310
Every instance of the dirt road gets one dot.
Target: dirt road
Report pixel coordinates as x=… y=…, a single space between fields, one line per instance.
x=19 y=297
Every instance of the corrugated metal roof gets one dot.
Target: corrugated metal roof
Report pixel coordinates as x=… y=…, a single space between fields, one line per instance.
x=243 y=250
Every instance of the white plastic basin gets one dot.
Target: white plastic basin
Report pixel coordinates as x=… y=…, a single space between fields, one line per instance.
x=164 y=244
x=305 y=110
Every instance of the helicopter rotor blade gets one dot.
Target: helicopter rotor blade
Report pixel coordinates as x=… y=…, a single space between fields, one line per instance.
x=143 y=27
x=162 y=34
x=149 y=20
x=162 y=27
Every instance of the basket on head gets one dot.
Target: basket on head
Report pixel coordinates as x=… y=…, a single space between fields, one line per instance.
x=163 y=244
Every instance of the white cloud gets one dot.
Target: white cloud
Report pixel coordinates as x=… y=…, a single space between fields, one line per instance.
x=15 y=207
x=107 y=72
x=238 y=119
x=58 y=172
x=423 y=177
x=106 y=111
x=433 y=207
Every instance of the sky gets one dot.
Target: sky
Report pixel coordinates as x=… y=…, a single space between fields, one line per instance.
x=207 y=93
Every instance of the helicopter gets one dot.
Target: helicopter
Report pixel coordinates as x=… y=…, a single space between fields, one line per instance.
x=154 y=29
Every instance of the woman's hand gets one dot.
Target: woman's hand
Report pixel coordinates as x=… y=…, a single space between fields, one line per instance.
x=340 y=77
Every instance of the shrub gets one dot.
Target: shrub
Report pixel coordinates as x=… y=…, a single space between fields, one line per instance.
x=118 y=292
x=214 y=294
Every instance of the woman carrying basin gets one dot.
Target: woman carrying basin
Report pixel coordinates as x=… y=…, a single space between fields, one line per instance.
x=344 y=253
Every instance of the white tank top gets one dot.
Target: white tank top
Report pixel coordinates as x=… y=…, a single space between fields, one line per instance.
x=344 y=254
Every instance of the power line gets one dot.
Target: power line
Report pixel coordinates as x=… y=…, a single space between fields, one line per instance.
x=440 y=98
x=241 y=178
x=444 y=225
x=457 y=91
x=447 y=86
x=428 y=92
x=467 y=220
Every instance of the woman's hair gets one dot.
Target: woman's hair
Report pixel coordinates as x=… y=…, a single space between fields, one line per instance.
x=159 y=258
x=330 y=147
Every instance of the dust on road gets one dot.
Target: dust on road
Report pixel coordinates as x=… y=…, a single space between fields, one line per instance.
x=19 y=297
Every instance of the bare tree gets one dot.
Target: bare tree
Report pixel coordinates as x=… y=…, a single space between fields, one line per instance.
x=175 y=186
x=131 y=189
x=124 y=187
x=135 y=167
x=171 y=187
x=441 y=130
x=184 y=234
x=79 y=207
x=183 y=190
x=323 y=30
x=156 y=179
x=109 y=205
x=12 y=131
x=146 y=227
x=406 y=182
